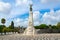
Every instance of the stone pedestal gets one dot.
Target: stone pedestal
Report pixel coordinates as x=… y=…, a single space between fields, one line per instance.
x=29 y=31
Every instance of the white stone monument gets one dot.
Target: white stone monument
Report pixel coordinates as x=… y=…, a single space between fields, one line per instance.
x=30 y=29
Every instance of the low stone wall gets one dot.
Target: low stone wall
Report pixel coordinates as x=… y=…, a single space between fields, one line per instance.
x=56 y=30
x=47 y=31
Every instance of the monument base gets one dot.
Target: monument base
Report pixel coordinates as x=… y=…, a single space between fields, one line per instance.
x=29 y=31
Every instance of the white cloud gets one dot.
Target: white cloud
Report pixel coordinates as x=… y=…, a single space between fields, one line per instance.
x=19 y=9
x=24 y=22
x=43 y=1
x=49 y=4
x=5 y=7
x=51 y=17
x=22 y=7
x=17 y=21
x=36 y=17
x=49 y=1
x=23 y=2
x=21 y=22
x=48 y=18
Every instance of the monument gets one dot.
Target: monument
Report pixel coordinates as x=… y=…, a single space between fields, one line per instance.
x=30 y=30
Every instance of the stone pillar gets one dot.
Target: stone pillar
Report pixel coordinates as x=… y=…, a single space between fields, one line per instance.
x=30 y=29
x=30 y=17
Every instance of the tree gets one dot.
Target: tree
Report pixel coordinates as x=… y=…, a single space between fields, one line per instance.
x=50 y=26
x=1 y=29
x=54 y=27
x=43 y=26
x=3 y=21
x=37 y=27
x=5 y=30
x=12 y=26
x=58 y=25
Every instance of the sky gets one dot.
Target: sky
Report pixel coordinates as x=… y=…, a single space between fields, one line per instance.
x=44 y=12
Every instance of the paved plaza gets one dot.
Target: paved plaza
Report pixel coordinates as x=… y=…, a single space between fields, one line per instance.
x=35 y=37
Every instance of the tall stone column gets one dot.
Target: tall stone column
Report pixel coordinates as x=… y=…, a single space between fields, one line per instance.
x=30 y=29
x=30 y=17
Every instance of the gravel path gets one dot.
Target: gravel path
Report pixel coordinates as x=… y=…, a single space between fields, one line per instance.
x=35 y=37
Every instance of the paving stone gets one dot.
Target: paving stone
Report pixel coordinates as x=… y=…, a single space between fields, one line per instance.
x=38 y=37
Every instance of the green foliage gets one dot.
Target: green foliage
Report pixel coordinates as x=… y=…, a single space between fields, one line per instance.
x=10 y=29
x=6 y=29
x=37 y=27
x=54 y=27
x=58 y=25
x=2 y=27
x=12 y=25
x=3 y=21
x=42 y=26
x=50 y=26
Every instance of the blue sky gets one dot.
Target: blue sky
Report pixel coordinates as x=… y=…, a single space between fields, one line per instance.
x=44 y=11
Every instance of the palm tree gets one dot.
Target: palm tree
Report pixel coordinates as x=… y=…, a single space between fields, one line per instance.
x=3 y=21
